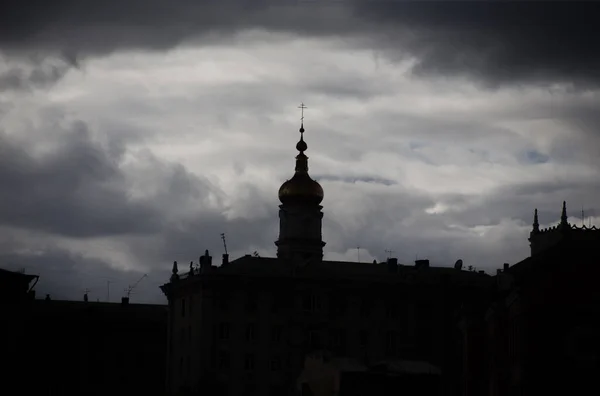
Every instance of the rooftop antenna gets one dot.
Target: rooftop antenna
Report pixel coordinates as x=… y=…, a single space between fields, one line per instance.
x=224 y=242
x=389 y=253
x=358 y=253
x=85 y=294
x=131 y=287
x=108 y=290
x=582 y=217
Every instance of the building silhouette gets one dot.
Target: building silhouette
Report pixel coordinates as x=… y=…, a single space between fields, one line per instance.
x=245 y=327
x=540 y=331
x=54 y=347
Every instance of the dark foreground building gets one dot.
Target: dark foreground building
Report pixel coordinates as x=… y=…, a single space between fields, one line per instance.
x=324 y=375
x=540 y=333
x=245 y=327
x=83 y=348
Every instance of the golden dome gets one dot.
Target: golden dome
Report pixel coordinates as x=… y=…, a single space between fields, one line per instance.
x=301 y=188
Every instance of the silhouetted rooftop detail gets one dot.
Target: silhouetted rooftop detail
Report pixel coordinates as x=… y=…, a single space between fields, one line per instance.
x=301 y=188
x=249 y=266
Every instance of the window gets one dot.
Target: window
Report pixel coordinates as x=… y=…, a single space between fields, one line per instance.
x=250 y=332
x=276 y=333
x=224 y=360
x=276 y=363
x=363 y=338
x=224 y=331
x=311 y=303
x=183 y=307
x=249 y=361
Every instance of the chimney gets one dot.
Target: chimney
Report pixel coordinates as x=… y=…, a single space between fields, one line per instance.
x=85 y=297
x=392 y=264
x=498 y=271
x=124 y=300
x=506 y=265
x=205 y=262
x=225 y=259
x=422 y=263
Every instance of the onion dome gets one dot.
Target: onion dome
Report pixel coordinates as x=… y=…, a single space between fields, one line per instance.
x=301 y=188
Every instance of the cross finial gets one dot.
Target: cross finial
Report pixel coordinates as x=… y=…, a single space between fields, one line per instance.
x=302 y=107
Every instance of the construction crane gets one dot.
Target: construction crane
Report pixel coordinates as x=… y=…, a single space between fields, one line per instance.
x=131 y=287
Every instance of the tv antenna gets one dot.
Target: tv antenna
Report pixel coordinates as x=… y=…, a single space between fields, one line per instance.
x=131 y=287
x=108 y=290
x=224 y=242
x=389 y=253
x=358 y=253
x=85 y=294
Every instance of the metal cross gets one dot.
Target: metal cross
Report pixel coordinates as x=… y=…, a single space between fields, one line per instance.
x=302 y=107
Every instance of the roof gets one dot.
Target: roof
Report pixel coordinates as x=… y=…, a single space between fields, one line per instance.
x=101 y=309
x=16 y=275
x=250 y=266
x=566 y=250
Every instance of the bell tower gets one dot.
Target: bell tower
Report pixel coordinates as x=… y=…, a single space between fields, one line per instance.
x=300 y=215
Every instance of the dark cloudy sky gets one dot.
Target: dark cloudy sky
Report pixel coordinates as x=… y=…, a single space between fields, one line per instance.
x=133 y=133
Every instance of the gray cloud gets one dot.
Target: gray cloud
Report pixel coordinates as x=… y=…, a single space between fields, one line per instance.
x=425 y=169
x=493 y=43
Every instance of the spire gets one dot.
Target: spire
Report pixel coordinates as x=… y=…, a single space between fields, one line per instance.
x=536 y=224
x=301 y=158
x=301 y=146
x=563 y=216
x=174 y=275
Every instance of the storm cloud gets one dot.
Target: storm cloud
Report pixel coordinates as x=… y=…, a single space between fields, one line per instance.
x=493 y=42
x=134 y=133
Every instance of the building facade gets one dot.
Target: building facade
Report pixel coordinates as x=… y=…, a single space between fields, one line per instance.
x=540 y=331
x=54 y=347
x=244 y=327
